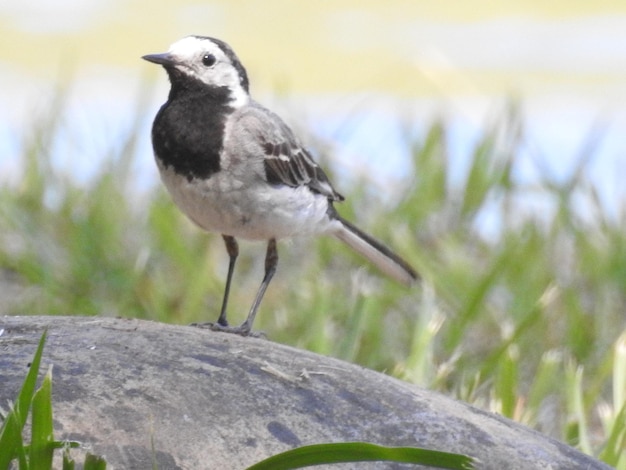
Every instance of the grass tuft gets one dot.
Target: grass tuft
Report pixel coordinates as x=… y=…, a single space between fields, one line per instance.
x=38 y=455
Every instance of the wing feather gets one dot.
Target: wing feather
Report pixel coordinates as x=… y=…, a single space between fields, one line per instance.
x=286 y=161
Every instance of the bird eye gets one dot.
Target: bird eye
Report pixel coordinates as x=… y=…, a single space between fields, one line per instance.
x=209 y=60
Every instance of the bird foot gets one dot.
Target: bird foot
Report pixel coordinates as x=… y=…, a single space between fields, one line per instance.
x=241 y=330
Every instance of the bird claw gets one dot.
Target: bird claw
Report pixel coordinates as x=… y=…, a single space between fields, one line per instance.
x=241 y=330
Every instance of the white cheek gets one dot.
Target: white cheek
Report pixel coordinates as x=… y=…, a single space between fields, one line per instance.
x=240 y=97
x=224 y=75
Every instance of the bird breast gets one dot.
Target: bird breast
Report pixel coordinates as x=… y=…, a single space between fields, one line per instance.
x=253 y=211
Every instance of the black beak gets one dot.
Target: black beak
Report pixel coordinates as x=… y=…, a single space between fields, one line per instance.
x=164 y=59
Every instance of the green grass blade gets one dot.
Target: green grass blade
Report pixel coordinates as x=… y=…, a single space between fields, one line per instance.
x=619 y=372
x=11 y=445
x=577 y=429
x=94 y=462
x=506 y=383
x=28 y=388
x=547 y=378
x=42 y=434
x=319 y=454
x=68 y=462
x=616 y=442
x=474 y=305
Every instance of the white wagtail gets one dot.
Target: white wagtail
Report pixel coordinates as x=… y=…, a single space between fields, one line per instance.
x=235 y=168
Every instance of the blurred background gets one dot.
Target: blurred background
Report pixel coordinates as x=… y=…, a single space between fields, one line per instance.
x=356 y=74
x=483 y=140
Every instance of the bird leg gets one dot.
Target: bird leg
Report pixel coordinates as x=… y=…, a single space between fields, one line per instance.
x=232 y=248
x=271 y=261
x=233 y=251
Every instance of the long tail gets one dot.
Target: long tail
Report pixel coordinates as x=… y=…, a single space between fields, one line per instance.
x=386 y=260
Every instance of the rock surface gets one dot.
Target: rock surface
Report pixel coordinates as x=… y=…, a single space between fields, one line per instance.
x=206 y=400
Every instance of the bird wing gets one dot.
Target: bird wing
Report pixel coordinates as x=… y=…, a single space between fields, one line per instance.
x=286 y=161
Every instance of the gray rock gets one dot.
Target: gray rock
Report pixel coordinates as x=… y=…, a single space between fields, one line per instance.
x=205 y=400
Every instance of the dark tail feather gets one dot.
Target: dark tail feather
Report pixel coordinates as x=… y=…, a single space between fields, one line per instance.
x=385 y=259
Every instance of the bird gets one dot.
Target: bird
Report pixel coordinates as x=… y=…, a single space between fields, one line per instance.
x=236 y=168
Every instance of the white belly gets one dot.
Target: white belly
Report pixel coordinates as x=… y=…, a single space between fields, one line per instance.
x=256 y=212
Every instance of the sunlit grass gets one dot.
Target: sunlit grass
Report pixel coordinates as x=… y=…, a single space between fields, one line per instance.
x=526 y=323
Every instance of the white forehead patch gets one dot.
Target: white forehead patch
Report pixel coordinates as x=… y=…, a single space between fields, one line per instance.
x=193 y=47
x=188 y=53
